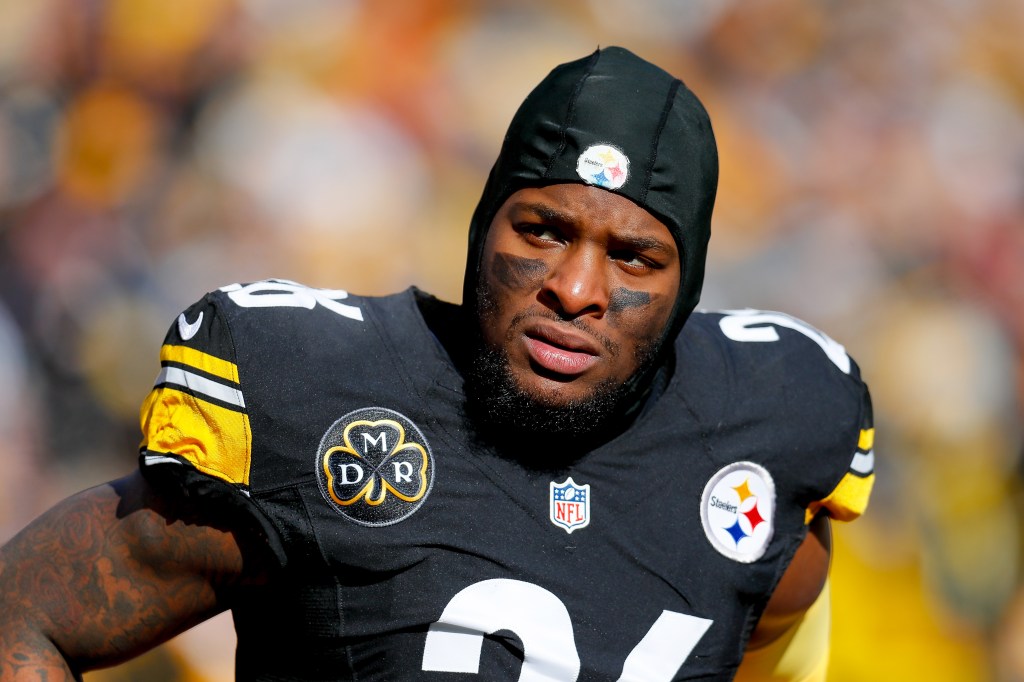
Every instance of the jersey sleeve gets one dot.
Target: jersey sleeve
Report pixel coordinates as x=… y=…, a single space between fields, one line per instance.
x=849 y=498
x=797 y=400
x=195 y=414
x=196 y=435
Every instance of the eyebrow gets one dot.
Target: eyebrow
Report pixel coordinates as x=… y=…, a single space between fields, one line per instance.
x=547 y=213
x=645 y=244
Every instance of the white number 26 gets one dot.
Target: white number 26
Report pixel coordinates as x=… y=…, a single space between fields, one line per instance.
x=542 y=623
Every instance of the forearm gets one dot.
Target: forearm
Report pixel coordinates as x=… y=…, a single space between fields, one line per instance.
x=26 y=651
x=28 y=655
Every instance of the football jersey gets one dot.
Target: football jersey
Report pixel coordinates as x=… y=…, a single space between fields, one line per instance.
x=411 y=549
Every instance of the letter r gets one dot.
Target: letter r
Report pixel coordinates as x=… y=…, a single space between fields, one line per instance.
x=403 y=472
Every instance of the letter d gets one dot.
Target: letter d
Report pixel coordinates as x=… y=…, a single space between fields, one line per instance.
x=344 y=474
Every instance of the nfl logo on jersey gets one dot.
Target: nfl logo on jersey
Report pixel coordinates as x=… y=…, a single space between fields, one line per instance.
x=569 y=505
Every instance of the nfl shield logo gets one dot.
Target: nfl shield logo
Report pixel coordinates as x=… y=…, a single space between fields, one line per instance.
x=569 y=504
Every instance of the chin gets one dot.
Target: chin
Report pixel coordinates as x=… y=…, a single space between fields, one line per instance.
x=556 y=392
x=505 y=405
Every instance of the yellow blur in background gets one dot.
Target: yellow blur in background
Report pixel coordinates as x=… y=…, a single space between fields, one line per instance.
x=872 y=183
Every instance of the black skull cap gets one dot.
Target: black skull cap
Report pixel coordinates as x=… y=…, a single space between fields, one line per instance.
x=618 y=122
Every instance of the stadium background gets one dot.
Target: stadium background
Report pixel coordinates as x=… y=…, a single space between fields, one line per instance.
x=872 y=183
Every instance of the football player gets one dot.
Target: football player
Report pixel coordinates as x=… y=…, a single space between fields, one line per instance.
x=571 y=476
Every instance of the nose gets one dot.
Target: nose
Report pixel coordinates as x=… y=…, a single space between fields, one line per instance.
x=577 y=285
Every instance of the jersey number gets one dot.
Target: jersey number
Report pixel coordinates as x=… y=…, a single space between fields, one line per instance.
x=756 y=326
x=542 y=623
x=280 y=293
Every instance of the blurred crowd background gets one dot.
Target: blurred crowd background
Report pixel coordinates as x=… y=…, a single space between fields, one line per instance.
x=872 y=183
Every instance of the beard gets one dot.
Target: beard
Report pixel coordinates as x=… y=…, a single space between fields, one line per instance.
x=496 y=398
x=536 y=426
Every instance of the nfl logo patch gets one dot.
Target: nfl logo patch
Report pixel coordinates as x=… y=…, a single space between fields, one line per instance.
x=569 y=505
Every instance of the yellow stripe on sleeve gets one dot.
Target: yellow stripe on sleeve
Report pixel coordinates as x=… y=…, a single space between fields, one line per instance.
x=847 y=501
x=866 y=440
x=200 y=360
x=215 y=440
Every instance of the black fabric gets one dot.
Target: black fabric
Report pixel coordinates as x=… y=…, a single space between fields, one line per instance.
x=614 y=97
x=214 y=498
x=355 y=602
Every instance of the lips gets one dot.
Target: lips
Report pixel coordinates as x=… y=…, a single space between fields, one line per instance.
x=559 y=351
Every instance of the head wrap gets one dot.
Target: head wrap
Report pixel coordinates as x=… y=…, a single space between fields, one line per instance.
x=613 y=112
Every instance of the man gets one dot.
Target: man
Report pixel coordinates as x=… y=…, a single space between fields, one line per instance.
x=557 y=480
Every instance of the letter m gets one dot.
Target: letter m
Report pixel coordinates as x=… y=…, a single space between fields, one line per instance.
x=380 y=441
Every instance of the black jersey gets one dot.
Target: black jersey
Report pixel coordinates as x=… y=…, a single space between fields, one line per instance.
x=409 y=550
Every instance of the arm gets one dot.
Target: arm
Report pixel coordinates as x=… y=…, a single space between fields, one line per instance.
x=106 y=575
x=791 y=639
x=800 y=585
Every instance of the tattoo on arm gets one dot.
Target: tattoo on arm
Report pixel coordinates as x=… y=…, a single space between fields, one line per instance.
x=102 y=577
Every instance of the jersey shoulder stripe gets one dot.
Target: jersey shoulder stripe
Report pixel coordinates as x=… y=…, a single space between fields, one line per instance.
x=200 y=386
x=863 y=463
x=204 y=362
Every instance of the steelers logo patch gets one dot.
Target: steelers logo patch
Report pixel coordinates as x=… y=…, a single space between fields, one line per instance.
x=603 y=165
x=374 y=466
x=738 y=510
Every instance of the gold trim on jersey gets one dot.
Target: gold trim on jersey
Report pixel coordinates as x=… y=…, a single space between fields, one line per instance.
x=180 y=417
